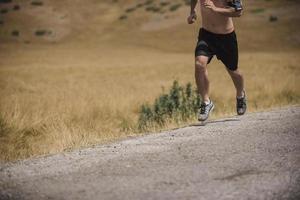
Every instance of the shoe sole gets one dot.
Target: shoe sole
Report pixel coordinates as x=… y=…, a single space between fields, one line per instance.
x=242 y=112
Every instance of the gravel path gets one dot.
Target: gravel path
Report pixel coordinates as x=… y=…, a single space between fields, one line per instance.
x=256 y=156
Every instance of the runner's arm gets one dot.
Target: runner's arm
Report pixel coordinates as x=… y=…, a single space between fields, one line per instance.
x=192 y=18
x=193 y=6
x=234 y=8
x=228 y=12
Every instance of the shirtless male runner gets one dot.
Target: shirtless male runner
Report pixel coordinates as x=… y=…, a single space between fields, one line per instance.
x=217 y=37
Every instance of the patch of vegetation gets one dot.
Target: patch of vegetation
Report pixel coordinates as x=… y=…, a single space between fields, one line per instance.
x=273 y=18
x=5 y=1
x=128 y=10
x=1 y=22
x=175 y=7
x=15 y=33
x=152 y=9
x=148 y=2
x=123 y=17
x=187 y=2
x=257 y=10
x=4 y=128
x=42 y=32
x=164 y=3
x=4 y=11
x=37 y=3
x=180 y=104
x=139 y=5
x=16 y=7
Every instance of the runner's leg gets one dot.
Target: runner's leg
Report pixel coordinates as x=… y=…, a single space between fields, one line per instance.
x=201 y=76
x=238 y=81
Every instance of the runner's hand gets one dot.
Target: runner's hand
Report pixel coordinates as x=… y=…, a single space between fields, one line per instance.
x=192 y=18
x=209 y=4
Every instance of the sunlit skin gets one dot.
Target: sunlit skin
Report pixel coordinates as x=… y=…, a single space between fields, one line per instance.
x=216 y=18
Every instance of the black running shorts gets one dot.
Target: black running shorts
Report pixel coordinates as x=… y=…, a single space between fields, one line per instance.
x=224 y=46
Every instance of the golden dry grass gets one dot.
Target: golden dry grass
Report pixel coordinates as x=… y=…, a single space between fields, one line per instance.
x=48 y=108
x=77 y=93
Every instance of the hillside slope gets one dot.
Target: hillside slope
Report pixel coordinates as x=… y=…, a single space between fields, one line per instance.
x=142 y=23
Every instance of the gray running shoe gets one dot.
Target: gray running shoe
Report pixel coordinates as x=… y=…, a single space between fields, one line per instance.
x=205 y=110
x=241 y=104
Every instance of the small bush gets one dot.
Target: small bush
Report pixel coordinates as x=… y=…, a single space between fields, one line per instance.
x=128 y=10
x=180 y=104
x=37 y=3
x=15 y=33
x=152 y=9
x=164 y=3
x=273 y=18
x=122 y=17
x=4 y=128
x=148 y=2
x=42 y=32
x=1 y=22
x=175 y=7
x=139 y=5
x=187 y=2
x=4 y=11
x=257 y=10
x=5 y=1
x=16 y=7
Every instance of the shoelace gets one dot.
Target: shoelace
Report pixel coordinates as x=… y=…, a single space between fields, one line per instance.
x=240 y=102
x=203 y=109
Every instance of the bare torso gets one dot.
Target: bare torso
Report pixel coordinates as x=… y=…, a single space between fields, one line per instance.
x=214 y=22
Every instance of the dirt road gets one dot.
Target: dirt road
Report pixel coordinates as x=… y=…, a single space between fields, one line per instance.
x=256 y=156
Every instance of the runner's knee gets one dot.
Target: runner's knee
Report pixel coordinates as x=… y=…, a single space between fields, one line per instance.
x=200 y=65
x=235 y=72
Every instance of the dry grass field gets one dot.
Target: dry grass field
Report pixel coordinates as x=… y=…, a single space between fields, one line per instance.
x=77 y=72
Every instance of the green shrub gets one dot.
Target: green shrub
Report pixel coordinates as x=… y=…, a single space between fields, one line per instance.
x=4 y=11
x=16 y=7
x=148 y=2
x=181 y=103
x=5 y=1
x=187 y=2
x=139 y=5
x=164 y=3
x=42 y=32
x=122 y=17
x=257 y=10
x=152 y=9
x=174 y=7
x=15 y=33
x=128 y=10
x=37 y=3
